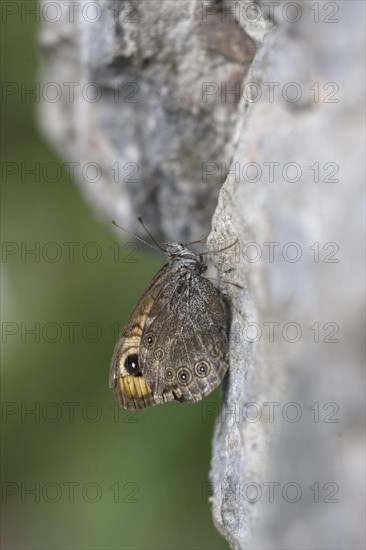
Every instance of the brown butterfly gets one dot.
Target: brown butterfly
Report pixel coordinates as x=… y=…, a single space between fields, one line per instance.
x=174 y=344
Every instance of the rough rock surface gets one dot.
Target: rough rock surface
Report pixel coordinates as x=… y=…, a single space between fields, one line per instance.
x=287 y=468
x=156 y=88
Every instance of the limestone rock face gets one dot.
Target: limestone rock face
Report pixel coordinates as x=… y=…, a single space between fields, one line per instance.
x=155 y=89
x=290 y=429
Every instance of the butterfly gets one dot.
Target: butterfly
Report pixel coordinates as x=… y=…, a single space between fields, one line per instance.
x=174 y=344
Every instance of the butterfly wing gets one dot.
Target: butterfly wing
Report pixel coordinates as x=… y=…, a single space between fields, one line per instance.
x=125 y=375
x=184 y=348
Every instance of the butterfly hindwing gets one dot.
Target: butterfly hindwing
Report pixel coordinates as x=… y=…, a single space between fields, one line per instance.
x=183 y=352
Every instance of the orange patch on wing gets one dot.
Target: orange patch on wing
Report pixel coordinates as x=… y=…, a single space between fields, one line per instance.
x=134 y=387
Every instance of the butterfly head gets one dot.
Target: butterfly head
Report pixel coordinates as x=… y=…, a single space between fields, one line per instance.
x=183 y=257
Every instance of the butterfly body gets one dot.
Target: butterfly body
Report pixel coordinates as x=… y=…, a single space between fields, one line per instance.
x=174 y=344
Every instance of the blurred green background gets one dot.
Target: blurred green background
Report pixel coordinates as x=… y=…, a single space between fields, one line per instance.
x=78 y=472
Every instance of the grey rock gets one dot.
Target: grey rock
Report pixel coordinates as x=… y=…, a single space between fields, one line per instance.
x=160 y=130
x=293 y=477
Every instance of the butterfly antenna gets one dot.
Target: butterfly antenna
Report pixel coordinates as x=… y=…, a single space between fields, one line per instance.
x=135 y=236
x=196 y=242
x=221 y=249
x=151 y=237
